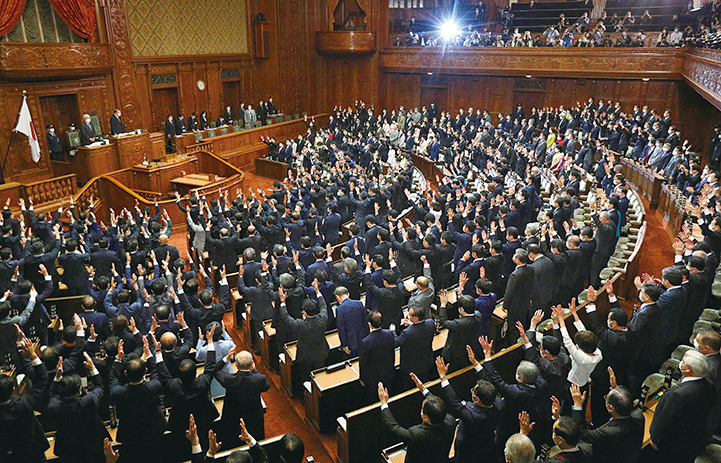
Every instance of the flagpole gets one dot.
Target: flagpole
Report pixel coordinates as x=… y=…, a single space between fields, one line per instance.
x=12 y=137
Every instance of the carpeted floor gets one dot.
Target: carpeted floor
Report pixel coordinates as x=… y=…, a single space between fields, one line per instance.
x=288 y=415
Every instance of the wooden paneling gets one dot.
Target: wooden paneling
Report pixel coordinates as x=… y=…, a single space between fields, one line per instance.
x=94 y=95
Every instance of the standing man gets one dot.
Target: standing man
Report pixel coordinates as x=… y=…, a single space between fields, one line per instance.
x=351 y=318
x=312 y=346
x=377 y=356
x=169 y=133
x=54 y=145
x=250 y=115
x=679 y=430
x=116 y=123
x=180 y=127
x=87 y=131
x=518 y=293
x=462 y=331
x=429 y=441
x=416 y=343
x=242 y=397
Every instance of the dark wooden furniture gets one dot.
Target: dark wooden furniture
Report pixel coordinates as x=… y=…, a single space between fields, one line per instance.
x=272 y=169
x=643 y=180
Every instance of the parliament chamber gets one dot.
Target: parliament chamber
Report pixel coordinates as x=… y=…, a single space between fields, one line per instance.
x=360 y=231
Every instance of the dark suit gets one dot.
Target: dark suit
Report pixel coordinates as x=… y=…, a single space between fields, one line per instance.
x=605 y=243
x=22 y=438
x=313 y=348
x=462 y=332
x=426 y=443
x=103 y=261
x=672 y=303
x=80 y=432
x=554 y=371
x=618 y=441
x=352 y=325
x=543 y=288
x=476 y=429
x=416 y=343
x=54 y=145
x=116 y=125
x=242 y=400
x=679 y=426
x=141 y=422
x=517 y=301
x=87 y=134
x=647 y=357
x=393 y=298
x=377 y=360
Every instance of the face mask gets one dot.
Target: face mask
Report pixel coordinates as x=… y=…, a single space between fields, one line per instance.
x=52 y=130
x=87 y=121
x=608 y=323
x=119 y=114
x=518 y=379
x=696 y=345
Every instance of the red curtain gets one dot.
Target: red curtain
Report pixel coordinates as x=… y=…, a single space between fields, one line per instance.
x=79 y=15
x=10 y=13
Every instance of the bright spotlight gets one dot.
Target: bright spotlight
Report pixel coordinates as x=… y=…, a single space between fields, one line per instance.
x=449 y=30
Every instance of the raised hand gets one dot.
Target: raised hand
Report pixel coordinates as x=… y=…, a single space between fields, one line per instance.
x=486 y=345
x=612 y=378
x=417 y=382
x=536 y=319
x=555 y=407
x=576 y=395
x=111 y=456
x=442 y=367
x=382 y=394
x=592 y=295
x=192 y=432
x=88 y=362
x=522 y=332
x=524 y=421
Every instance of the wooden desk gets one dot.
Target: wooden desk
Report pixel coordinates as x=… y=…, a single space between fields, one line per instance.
x=648 y=418
x=673 y=205
x=132 y=148
x=643 y=180
x=291 y=350
x=337 y=392
x=192 y=181
x=91 y=161
x=272 y=169
x=268 y=347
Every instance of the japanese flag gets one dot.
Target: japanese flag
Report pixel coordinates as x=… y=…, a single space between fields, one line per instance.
x=25 y=125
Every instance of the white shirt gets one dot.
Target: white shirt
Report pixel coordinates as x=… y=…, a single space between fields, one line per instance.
x=582 y=364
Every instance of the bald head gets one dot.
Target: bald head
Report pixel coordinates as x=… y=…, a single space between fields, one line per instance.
x=422 y=282
x=168 y=341
x=244 y=360
x=163 y=239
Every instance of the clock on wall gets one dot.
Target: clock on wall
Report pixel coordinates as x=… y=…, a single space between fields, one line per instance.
x=201 y=85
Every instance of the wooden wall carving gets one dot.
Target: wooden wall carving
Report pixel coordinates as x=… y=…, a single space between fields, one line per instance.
x=34 y=60
x=124 y=73
x=641 y=62
x=702 y=70
x=345 y=43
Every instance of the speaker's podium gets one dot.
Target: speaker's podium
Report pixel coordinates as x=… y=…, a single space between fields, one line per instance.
x=116 y=152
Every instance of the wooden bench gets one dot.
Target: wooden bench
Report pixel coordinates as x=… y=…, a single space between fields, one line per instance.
x=335 y=391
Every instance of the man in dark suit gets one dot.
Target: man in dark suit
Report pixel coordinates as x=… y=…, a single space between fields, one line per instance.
x=80 y=431
x=392 y=293
x=620 y=440
x=116 y=123
x=708 y=342
x=645 y=325
x=416 y=343
x=605 y=245
x=478 y=418
x=242 y=397
x=377 y=356
x=551 y=359
x=331 y=225
x=312 y=346
x=673 y=304
x=222 y=250
x=352 y=325
x=462 y=331
x=519 y=291
x=141 y=421
x=180 y=127
x=104 y=259
x=679 y=430
x=87 y=131
x=54 y=145
x=169 y=127
x=429 y=441
x=544 y=291
x=174 y=353
x=260 y=297
x=22 y=438
x=189 y=394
